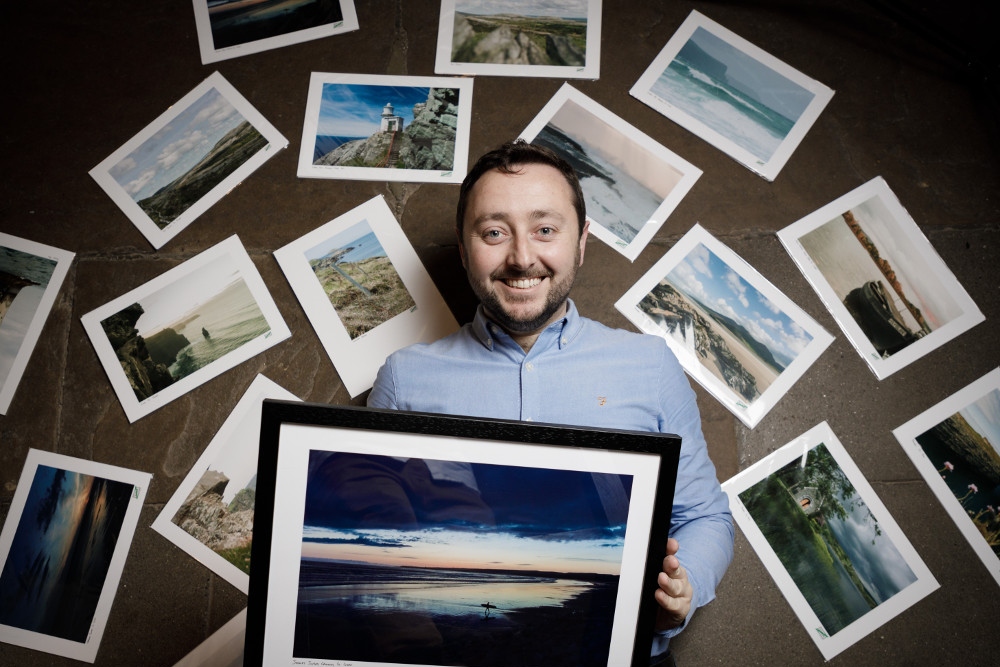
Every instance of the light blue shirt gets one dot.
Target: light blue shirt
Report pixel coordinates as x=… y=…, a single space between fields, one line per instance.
x=579 y=372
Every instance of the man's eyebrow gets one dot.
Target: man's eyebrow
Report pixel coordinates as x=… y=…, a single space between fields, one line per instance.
x=503 y=216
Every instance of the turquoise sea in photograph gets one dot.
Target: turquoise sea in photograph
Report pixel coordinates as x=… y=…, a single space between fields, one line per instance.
x=745 y=101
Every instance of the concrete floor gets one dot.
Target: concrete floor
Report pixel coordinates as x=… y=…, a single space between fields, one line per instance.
x=80 y=79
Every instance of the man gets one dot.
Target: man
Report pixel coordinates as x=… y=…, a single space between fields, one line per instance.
x=528 y=355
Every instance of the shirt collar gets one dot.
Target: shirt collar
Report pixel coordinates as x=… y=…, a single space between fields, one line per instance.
x=563 y=330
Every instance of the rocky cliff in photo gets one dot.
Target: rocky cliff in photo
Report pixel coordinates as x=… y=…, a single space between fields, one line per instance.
x=519 y=40
x=145 y=375
x=225 y=529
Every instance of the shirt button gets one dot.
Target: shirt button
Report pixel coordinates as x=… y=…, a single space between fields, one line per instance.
x=563 y=341
x=530 y=366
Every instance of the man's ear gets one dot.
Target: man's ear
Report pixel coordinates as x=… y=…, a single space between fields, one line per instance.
x=583 y=239
x=461 y=248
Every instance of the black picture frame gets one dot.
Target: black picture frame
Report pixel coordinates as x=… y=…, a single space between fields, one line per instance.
x=346 y=608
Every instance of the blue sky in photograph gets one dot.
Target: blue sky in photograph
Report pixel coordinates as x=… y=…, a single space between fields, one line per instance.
x=178 y=147
x=767 y=86
x=576 y=9
x=984 y=417
x=705 y=277
x=355 y=110
x=349 y=236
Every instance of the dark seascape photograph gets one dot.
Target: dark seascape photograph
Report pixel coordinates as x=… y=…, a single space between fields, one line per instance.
x=237 y=22
x=398 y=570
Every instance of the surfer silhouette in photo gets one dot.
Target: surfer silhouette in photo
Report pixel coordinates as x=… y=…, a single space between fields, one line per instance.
x=486 y=611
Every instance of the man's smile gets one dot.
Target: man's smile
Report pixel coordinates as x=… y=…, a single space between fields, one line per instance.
x=521 y=283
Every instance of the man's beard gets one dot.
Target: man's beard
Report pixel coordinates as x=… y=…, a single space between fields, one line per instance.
x=555 y=300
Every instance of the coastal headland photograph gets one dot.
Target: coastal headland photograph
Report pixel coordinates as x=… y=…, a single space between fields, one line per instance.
x=188 y=157
x=963 y=449
x=710 y=78
x=24 y=277
x=61 y=552
x=186 y=326
x=386 y=127
x=623 y=183
x=521 y=32
x=839 y=556
x=524 y=572
x=724 y=323
x=240 y=21
x=874 y=269
x=359 y=279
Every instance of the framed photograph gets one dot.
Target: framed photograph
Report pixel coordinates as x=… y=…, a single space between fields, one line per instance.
x=231 y=28
x=223 y=648
x=364 y=290
x=836 y=554
x=62 y=550
x=210 y=515
x=184 y=327
x=30 y=277
x=189 y=158
x=630 y=182
x=732 y=94
x=520 y=38
x=740 y=338
x=386 y=128
x=421 y=539
x=954 y=445
x=889 y=290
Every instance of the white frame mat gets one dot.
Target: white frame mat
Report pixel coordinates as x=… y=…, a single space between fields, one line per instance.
x=185 y=135
x=715 y=112
x=211 y=54
x=23 y=318
x=893 y=562
x=359 y=108
x=652 y=173
x=178 y=293
x=974 y=413
x=69 y=520
x=231 y=453
x=358 y=358
x=223 y=648
x=839 y=271
x=447 y=31
x=764 y=313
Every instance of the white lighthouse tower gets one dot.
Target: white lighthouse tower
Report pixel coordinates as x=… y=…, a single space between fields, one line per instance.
x=390 y=121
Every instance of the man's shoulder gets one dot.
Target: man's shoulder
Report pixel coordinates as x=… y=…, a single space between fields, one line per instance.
x=602 y=334
x=460 y=339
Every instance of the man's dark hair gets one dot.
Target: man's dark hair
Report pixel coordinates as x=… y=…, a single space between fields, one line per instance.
x=508 y=159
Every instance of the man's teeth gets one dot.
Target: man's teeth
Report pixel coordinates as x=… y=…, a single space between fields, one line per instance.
x=523 y=283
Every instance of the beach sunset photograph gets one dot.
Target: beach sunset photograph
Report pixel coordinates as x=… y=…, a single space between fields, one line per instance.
x=528 y=568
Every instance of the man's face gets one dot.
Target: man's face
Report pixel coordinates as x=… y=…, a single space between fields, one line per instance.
x=521 y=246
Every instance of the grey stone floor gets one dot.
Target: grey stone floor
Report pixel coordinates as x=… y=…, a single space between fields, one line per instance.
x=80 y=79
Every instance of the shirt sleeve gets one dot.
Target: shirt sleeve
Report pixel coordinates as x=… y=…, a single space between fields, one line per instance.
x=701 y=521
x=383 y=393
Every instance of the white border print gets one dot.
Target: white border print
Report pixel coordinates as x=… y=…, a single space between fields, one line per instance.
x=630 y=182
x=30 y=277
x=248 y=28
x=701 y=296
x=223 y=648
x=954 y=445
x=230 y=458
x=60 y=505
x=836 y=554
x=195 y=322
x=351 y=128
x=364 y=245
x=464 y=22
x=890 y=292
x=159 y=177
x=732 y=94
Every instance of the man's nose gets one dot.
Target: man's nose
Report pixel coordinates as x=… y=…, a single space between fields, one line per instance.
x=521 y=253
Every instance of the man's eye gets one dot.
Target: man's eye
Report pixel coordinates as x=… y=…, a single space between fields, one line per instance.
x=546 y=231
x=492 y=235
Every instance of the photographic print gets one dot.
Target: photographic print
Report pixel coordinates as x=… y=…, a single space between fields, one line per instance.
x=630 y=182
x=732 y=331
x=185 y=327
x=63 y=547
x=956 y=447
x=224 y=648
x=364 y=290
x=890 y=292
x=462 y=550
x=210 y=516
x=231 y=28
x=188 y=159
x=840 y=560
x=546 y=38
x=386 y=128
x=30 y=277
x=732 y=94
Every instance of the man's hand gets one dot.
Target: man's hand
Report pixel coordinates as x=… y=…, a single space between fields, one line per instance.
x=674 y=593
